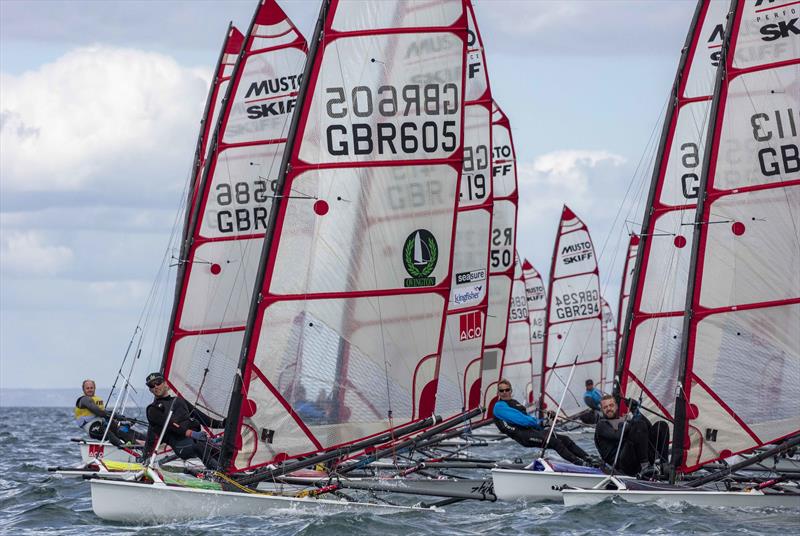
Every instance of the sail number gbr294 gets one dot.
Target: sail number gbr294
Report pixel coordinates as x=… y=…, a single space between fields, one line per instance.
x=572 y=305
x=366 y=119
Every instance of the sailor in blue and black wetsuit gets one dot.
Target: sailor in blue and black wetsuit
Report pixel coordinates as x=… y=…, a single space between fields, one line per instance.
x=591 y=397
x=511 y=418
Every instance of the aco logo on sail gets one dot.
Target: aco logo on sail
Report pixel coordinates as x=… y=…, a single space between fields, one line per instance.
x=420 y=253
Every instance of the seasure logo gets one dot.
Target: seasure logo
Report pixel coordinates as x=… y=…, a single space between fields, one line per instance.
x=470 y=277
x=466 y=296
x=470 y=326
x=420 y=253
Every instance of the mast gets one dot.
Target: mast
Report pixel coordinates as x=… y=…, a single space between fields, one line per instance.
x=740 y=354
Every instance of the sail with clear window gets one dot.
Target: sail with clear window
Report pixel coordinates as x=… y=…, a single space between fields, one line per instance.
x=501 y=255
x=537 y=311
x=229 y=216
x=355 y=273
x=460 y=365
x=740 y=363
x=650 y=346
x=573 y=338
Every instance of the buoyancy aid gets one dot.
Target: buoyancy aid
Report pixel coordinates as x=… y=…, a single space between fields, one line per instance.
x=83 y=412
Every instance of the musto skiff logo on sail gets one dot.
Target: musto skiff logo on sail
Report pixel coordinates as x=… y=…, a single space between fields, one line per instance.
x=420 y=253
x=470 y=326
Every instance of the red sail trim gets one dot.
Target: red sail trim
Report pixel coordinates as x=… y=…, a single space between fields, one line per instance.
x=650 y=395
x=773 y=8
x=223 y=146
x=696 y=379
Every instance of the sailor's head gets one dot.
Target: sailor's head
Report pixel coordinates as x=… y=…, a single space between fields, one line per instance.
x=589 y=384
x=608 y=405
x=156 y=383
x=88 y=387
x=504 y=389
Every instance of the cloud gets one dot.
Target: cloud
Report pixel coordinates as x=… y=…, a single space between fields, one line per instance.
x=26 y=253
x=584 y=28
x=99 y=116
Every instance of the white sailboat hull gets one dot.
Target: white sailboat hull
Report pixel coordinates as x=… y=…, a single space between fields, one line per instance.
x=511 y=484
x=582 y=497
x=132 y=502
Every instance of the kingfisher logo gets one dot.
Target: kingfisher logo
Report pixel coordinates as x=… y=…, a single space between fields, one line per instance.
x=467 y=296
x=470 y=326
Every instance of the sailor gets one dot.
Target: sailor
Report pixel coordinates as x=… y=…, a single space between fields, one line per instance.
x=591 y=397
x=183 y=433
x=639 y=445
x=91 y=416
x=511 y=418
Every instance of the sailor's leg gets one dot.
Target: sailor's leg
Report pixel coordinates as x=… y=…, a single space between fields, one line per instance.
x=558 y=445
x=659 y=442
x=572 y=446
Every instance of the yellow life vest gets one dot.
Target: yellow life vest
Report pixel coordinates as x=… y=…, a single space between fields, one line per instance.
x=83 y=412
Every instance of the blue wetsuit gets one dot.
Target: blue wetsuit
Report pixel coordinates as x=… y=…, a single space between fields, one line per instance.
x=592 y=399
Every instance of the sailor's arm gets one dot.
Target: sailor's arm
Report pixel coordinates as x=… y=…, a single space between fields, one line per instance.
x=507 y=413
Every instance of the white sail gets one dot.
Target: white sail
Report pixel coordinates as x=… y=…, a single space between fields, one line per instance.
x=518 y=363
x=537 y=311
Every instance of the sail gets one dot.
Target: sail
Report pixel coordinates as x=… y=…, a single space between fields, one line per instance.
x=354 y=279
x=217 y=90
x=573 y=323
x=218 y=267
x=741 y=355
x=537 y=311
x=649 y=350
x=501 y=255
x=625 y=290
x=518 y=364
x=609 y=333
x=460 y=369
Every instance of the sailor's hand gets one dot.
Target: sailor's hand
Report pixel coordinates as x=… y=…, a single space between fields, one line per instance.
x=141 y=459
x=550 y=415
x=629 y=416
x=199 y=436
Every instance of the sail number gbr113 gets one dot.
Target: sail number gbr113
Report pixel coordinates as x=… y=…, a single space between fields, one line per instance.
x=373 y=135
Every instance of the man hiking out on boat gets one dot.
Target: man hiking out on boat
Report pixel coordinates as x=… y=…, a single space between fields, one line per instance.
x=591 y=397
x=511 y=418
x=92 y=417
x=639 y=443
x=183 y=433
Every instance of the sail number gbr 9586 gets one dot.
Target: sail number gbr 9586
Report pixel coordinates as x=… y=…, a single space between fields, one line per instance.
x=367 y=119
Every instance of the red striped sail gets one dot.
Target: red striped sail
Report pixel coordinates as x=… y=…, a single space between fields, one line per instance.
x=537 y=310
x=230 y=213
x=460 y=365
x=518 y=363
x=355 y=272
x=741 y=358
x=573 y=323
x=650 y=348
x=609 y=333
x=501 y=255
x=625 y=291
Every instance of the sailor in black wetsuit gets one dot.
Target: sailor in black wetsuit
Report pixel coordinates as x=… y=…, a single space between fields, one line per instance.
x=641 y=442
x=511 y=418
x=184 y=433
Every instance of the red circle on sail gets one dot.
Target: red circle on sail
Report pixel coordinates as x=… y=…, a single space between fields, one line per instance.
x=694 y=411
x=680 y=241
x=216 y=269
x=248 y=408
x=737 y=228
x=559 y=336
x=321 y=207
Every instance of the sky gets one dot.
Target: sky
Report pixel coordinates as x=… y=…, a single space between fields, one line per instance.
x=100 y=103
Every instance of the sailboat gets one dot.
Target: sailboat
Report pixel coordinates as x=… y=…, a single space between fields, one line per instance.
x=609 y=337
x=536 y=296
x=357 y=254
x=736 y=365
x=94 y=450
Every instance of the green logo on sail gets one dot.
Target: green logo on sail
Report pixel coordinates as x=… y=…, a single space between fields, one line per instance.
x=420 y=253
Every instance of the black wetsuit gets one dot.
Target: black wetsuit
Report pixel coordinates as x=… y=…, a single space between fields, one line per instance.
x=184 y=417
x=641 y=444
x=533 y=437
x=118 y=435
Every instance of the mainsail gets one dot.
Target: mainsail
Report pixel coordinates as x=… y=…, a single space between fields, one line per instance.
x=517 y=364
x=537 y=311
x=501 y=255
x=229 y=216
x=573 y=323
x=740 y=361
x=609 y=333
x=459 y=378
x=354 y=279
x=650 y=347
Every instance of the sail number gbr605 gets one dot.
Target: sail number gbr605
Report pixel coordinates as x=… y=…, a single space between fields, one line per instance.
x=353 y=137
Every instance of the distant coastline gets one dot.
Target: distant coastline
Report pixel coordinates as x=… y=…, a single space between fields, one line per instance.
x=44 y=398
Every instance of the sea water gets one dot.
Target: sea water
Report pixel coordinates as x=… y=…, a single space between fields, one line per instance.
x=34 y=501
